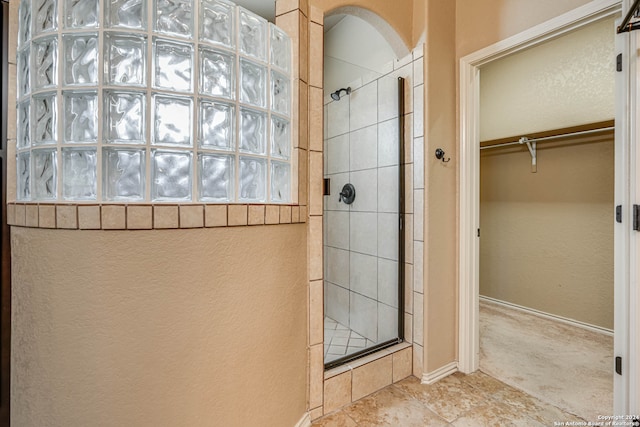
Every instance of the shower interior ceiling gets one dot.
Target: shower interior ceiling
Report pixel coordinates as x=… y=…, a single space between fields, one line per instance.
x=264 y=8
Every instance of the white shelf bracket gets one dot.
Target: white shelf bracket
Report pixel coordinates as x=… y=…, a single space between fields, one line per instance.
x=532 y=146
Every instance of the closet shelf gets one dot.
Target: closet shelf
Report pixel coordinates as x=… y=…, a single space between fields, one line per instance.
x=532 y=145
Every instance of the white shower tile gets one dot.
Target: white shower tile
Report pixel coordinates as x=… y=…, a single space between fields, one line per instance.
x=363 y=316
x=366 y=185
x=418 y=51
x=336 y=266
x=388 y=282
x=363 y=111
x=336 y=303
x=363 y=148
x=364 y=275
x=418 y=215
x=338 y=117
x=418 y=324
x=408 y=327
x=418 y=163
x=388 y=231
x=338 y=154
x=388 y=189
x=408 y=138
x=337 y=229
x=331 y=202
x=325 y=121
x=408 y=288
x=403 y=61
x=387 y=98
x=325 y=156
x=418 y=71
x=363 y=231
x=418 y=267
x=418 y=111
x=387 y=322
x=388 y=146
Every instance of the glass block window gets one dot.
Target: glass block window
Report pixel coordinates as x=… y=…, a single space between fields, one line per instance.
x=152 y=101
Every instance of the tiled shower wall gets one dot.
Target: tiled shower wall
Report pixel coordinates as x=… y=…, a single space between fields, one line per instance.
x=361 y=146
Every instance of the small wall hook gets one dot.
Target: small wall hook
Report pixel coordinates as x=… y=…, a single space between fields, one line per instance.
x=440 y=155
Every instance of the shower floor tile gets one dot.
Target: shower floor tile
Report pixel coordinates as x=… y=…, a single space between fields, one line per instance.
x=340 y=341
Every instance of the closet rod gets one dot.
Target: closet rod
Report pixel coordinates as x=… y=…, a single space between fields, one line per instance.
x=524 y=139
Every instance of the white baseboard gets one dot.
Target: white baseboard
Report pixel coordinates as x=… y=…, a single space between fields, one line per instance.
x=549 y=316
x=440 y=373
x=305 y=421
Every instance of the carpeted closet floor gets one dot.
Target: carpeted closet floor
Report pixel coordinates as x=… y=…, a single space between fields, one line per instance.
x=563 y=365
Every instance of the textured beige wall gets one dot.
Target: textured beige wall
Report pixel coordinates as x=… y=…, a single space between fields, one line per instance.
x=547 y=237
x=440 y=283
x=201 y=327
x=480 y=23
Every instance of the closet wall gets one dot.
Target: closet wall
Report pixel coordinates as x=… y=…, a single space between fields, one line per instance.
x=547 y=237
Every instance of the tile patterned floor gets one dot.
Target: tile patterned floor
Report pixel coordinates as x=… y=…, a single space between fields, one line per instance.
x=339 y=340
x=458 y=400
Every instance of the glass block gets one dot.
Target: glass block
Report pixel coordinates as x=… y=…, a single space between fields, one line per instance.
x=45 y=62
x=280 y=138
x=253 y=83
x=217 y=22
x=81 y=13
x=44 y=120
x=81 y=59
x=216 y=74
x=24 y=23
x=46 y=16
x=253 y=34
x=44 y=174
x=170 y=175
x=280 y=49
x=124 y=117
x=216 y=125
x=24 y=73
x=79 y=179
x=253 y=179
x=125 y=60
x=23 y=134
x=280 y=182
x=216 y=178
x=280 y=93
x=172 y=121
x=23 y=171
x=172 y=65
x=252 y=131
x=80 y=119
x=174 y=17
x=123 y=173
x=126 y=14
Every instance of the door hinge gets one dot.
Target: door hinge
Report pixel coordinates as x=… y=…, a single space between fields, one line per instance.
x=619 y=62
x=636 y=217
x=619 y=365
x=619 y=214
x=326 y=188
x=478 y=232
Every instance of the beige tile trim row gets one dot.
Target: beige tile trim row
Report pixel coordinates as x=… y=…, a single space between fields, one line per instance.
x=349 y=383
x=149 y=217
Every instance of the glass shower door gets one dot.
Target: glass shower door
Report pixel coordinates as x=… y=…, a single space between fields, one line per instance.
x=362 y=211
